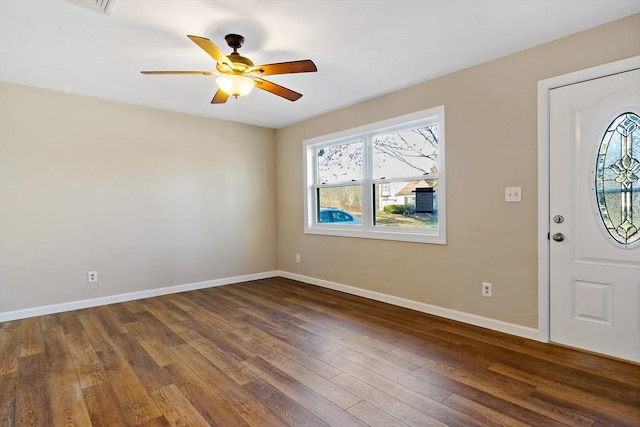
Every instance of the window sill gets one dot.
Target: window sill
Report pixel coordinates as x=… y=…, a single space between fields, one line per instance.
x=430 y=237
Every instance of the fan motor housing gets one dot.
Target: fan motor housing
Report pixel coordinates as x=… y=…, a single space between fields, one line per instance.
x=240 y=63
x=238 y=59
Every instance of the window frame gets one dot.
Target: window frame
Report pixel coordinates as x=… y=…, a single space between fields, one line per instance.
x=367 y=133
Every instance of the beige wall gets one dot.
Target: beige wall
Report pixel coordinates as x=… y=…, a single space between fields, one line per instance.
x=151 y=198
x=491 y=142
x=147 y=198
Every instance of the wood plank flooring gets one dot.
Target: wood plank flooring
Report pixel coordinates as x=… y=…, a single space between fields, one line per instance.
x=277 y=352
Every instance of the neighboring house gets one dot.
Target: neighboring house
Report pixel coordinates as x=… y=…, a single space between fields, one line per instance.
x=389 y=194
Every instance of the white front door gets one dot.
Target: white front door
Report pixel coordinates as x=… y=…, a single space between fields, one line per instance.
x=594 y=201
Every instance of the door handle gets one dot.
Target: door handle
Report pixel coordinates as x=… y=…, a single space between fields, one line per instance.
x=558 y=237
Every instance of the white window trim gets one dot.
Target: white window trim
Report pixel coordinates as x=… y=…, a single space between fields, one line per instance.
x=419 y=118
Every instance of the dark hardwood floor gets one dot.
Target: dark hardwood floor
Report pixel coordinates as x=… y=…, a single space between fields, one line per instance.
x=277 y=352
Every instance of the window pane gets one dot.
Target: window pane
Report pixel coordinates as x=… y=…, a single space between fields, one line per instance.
x=406 y=153
x=340 y=163
x=340 y=205
x=617 y=178
x=410 y=204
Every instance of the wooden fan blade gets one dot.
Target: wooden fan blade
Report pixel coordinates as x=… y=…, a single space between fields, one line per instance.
x=304 y=66
x=220 y=97
x=277 y=89
x=204 y=73
x=213 y=50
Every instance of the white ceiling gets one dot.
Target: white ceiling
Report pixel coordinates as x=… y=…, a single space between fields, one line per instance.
x=362 y=48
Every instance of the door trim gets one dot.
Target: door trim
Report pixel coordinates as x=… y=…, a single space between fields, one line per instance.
x=544 y=89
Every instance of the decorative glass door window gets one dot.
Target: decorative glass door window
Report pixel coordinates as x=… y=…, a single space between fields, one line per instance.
x=617 y=179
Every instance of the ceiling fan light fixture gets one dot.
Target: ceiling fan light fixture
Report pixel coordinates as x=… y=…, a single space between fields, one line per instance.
x=235 y=85
x=238 y=74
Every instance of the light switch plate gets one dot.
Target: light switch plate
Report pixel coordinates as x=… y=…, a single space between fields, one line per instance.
x=513 y=194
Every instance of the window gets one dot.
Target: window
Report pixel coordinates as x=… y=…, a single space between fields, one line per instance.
x=380 y=181
x=617 y=175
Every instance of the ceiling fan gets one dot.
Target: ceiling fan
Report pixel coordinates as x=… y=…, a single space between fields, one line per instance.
x=238 y=75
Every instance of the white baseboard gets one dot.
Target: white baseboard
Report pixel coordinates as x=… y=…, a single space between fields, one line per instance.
x=94 y=302
x=472 y=319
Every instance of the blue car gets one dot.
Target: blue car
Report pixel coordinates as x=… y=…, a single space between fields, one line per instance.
x=337 y=216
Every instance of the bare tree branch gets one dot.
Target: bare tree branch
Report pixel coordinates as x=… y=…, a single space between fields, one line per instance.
x=397 y=147
x=345 y=161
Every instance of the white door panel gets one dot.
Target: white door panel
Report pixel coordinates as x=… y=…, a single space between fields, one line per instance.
x=594 y=279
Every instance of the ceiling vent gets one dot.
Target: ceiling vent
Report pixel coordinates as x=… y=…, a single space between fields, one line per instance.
x=104 y=6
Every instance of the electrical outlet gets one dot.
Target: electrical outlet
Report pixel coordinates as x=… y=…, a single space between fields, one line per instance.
x=513 y=194
x=92 y=277
x=298 y=258
x=486 y=289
